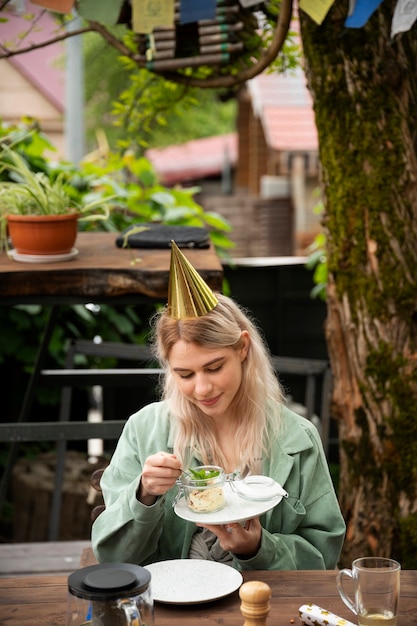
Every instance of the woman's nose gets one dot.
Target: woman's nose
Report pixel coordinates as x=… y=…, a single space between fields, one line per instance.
x=202 y=385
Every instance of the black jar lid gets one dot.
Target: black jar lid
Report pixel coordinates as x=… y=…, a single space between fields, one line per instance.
x=108 y=581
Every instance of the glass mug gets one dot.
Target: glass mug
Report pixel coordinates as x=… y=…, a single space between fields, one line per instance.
x=376 y=587
x=110 y=594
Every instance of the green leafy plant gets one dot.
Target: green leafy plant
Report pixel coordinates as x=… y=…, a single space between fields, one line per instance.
x=141 y=199
x=27 y=192
x=203 y=475
x=317 y=261
x=35 y=193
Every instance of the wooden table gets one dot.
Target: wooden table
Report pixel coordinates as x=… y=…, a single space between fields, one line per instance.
x=42 y=601
x=100 y=272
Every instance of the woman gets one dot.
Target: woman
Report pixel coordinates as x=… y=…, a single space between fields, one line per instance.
x=222 y=405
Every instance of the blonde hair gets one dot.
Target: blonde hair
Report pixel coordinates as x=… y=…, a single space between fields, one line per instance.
x=221 y=327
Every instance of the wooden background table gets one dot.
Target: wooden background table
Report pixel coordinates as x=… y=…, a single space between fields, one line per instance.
x=42 y=601
x=101 y=272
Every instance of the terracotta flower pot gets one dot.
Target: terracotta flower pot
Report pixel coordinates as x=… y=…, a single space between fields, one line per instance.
x=43 y=234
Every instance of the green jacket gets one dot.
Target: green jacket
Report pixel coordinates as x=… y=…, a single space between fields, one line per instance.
x=304 y=531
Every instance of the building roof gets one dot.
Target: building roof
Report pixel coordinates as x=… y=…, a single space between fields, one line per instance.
x=285 y=107
x=200 y=158
x=40 y=67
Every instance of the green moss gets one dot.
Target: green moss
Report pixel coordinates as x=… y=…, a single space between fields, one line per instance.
x=393 y=383
x=408 y=542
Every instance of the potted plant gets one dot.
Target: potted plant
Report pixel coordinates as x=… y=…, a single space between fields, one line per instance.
x=37 y=211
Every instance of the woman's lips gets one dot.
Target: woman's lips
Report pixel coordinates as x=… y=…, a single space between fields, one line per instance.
x=209 y=401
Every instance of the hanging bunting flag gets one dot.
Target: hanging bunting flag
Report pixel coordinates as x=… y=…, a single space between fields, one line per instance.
x=351 y=6
x=196 y=10
x=58 y=6
x=361 y=13
x=405 y=15
x=150 y=14
x=105 y=11
x=316 y=9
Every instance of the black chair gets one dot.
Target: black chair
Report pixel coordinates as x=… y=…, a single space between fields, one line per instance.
x=64 y=429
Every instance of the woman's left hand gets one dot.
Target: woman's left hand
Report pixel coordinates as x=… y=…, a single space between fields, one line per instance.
x=244 y=541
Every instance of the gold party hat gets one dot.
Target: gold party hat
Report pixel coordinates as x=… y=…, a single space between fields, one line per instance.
x=188 y=294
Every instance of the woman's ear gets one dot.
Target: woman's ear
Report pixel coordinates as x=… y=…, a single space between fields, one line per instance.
x=244 y=344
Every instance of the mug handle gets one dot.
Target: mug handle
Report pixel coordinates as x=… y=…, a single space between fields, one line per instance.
x=345 y=597
x=131 y=611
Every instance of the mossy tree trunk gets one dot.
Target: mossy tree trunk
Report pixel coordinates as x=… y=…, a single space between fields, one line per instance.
x=364 y=87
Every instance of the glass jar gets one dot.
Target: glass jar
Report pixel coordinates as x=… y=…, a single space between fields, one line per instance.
x=110 y=594
x=203 y=488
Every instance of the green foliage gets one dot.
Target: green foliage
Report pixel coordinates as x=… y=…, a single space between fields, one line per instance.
x=21 y=330
x=105 y=79
x=141 y=198
x=317 y=261
x=137 y=109
x=203 y=475
x=28 y=140
x=152 y=111
x=408 y=539
x=37 y=193
x=210 y=116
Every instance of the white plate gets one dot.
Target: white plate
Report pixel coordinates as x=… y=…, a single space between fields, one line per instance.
x=237 y=509
x=192 y=581
x=43 y=258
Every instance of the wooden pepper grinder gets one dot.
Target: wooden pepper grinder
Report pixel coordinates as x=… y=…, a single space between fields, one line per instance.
x=255 y=597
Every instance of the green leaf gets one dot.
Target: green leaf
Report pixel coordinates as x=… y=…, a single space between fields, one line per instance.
x=203 y=474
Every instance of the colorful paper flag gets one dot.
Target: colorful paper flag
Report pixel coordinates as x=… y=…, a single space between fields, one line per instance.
x=105 y=11
x=59 y=6
x=316 y=9
x=351 y=6
x=361 y=13
x=150 y=14
x=195 y=10
x=405 y=15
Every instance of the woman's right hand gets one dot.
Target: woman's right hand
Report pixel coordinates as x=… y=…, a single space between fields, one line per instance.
x=159 y=474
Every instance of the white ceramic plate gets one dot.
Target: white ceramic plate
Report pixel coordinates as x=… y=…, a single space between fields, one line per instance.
x=237 y=509
x=192 y=581
x=43 y=258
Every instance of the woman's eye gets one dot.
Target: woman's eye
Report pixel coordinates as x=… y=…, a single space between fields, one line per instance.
x=185 y=376
x=215 y=369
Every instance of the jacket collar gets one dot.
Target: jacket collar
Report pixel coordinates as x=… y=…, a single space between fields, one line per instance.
x=289 y=442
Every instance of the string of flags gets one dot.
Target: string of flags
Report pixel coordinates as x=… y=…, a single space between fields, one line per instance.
x=148 y=15
x=359 y=12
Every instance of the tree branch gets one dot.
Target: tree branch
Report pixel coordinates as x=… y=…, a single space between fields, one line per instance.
x=6 y=53
x=229 y=80
x=111 y=39
x=4 y=4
